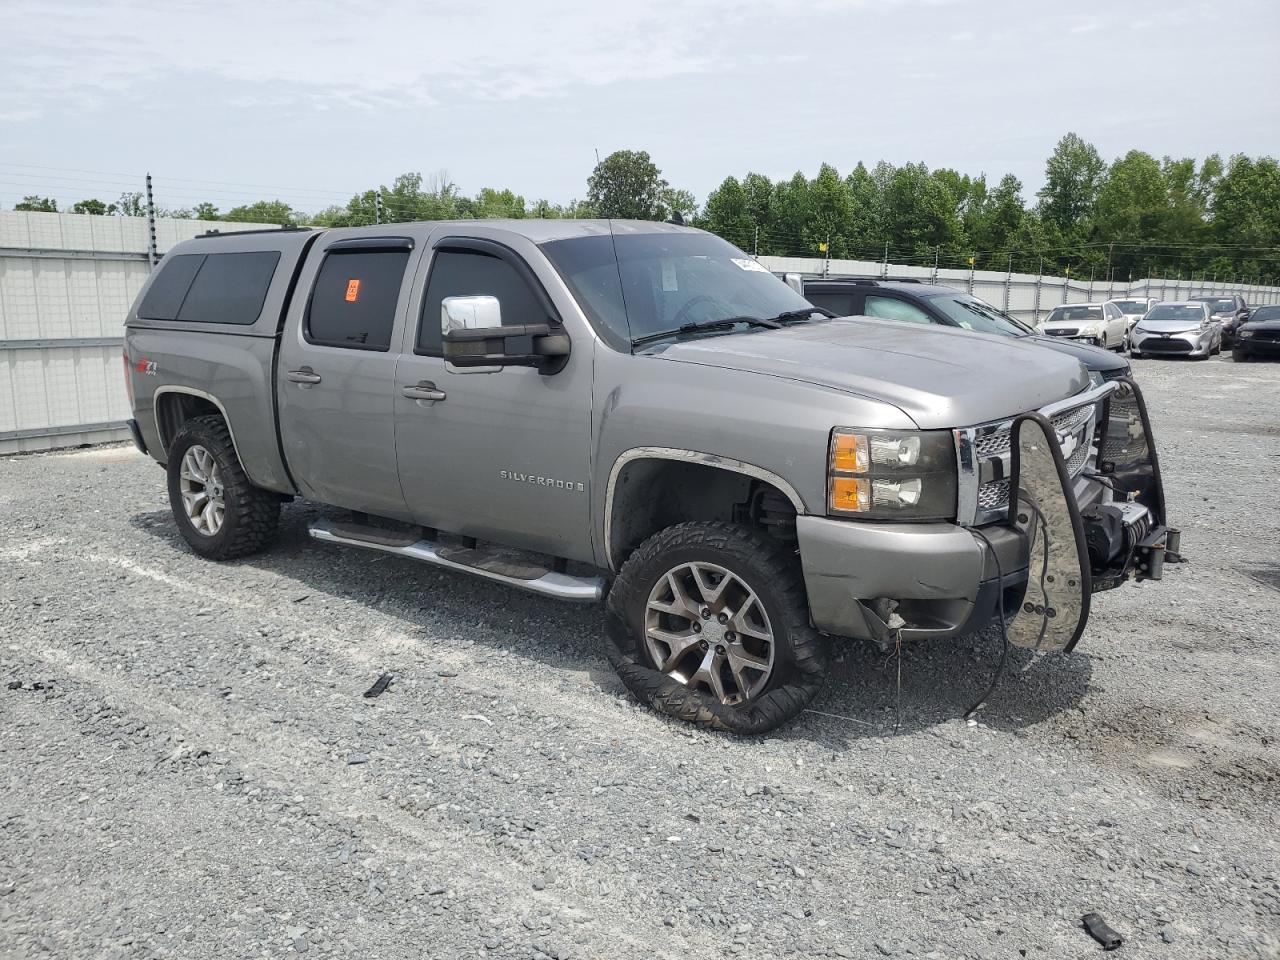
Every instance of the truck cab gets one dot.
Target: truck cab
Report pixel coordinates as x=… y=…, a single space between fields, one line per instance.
x=641 y=413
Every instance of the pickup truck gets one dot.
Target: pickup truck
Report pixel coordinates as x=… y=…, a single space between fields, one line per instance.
x=642 y=414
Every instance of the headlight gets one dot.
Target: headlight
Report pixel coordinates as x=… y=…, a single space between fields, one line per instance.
x=892 y=475
x=1246 y=333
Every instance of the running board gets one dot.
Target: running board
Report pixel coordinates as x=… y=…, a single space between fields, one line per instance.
x=477 y=561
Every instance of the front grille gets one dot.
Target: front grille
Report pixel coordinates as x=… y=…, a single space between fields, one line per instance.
x=1063 y=332
x=999 y=443
x=994 y=495
x=1266 y=335
x=1160 y=345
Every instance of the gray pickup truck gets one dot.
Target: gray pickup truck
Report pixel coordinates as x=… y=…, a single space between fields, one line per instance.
x=641 y=413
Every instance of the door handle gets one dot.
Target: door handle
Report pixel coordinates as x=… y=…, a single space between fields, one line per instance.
x=304 y=375
x=423 y=390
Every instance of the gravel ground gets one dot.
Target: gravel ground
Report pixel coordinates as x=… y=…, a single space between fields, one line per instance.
x=189 y=768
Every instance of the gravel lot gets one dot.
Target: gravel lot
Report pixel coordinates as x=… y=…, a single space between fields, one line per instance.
x=189 y=768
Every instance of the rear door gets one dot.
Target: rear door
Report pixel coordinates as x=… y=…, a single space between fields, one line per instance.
x=503 y=455
x=337 y=370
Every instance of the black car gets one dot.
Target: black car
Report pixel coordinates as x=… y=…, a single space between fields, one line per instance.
x=1259 y=336
x=1230 y=312
x=916 y=302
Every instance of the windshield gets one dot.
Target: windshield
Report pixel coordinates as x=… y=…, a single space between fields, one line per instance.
x=1266 y=313
x=1177 y=311
x=1222 y=306
x=1131 y=307
x=662 y=281
x=974 y=314
x=1075 y=314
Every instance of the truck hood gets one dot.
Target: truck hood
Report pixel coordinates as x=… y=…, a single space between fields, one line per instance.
x=937 y=376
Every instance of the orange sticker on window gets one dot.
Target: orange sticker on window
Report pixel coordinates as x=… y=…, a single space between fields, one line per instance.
x=353 y=291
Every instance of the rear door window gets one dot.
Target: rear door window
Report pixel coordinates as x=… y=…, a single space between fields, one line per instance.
x=464 y=273
x=889 y=308
x=353 y=302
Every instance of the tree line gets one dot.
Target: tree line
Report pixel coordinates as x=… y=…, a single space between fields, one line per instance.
x=1136 y=216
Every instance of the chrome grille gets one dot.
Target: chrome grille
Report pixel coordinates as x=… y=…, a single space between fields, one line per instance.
x=994 y=495
x=997 y=444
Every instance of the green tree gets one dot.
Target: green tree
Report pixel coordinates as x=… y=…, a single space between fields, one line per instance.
x=205 y=211
x=130 y=205
x=628 y=185
x=36 y=204
x=995 y=220
x=95 y=208
x=499 y=203
x=264 y=211
x=1072 y=175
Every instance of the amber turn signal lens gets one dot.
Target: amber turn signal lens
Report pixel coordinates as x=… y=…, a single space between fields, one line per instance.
x=849 y=452
x=850 y=494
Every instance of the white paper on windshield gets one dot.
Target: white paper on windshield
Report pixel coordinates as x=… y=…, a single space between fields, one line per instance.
x=745 y=263
x=669 y=284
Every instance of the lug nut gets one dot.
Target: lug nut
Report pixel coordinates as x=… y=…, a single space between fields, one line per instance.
x=702 y=644
x=706 y=613
x=720 y=650
x=697 y=627
x=730 y=636
x=723 y=618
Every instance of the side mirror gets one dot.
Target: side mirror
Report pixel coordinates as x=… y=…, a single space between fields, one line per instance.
x=475 y=339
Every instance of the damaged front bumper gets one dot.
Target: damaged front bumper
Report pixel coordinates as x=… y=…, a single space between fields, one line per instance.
x=943 y=579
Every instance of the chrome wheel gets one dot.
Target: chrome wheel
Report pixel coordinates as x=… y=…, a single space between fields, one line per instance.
x=200 y=483
x=706 y=628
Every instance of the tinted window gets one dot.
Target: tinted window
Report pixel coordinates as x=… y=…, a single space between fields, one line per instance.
x=230 y=288
x=974 y=314
x=1176 y=311
x=841 y=304
x=1266 y=313
x=353 y=303
x=890 y=309
x=1131 y=306
x=467 y=274
x=169 y=287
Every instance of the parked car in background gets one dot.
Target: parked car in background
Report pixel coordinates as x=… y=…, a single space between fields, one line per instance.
x=1099 y=324
x=1230 y=312
x=1259 y=336
x=1134 y=309
x=915 y=302
x=1177 y=329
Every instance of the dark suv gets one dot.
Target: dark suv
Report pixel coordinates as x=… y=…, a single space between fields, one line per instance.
x=1259 y=335
x=1230 y=312
x=916 y=302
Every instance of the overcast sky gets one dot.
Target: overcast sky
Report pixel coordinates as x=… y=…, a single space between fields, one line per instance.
x=231 y=100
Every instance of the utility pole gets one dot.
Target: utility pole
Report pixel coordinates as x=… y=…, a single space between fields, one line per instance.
x=884 y=270
x=936 y=250
x=972 y=261
x=755 y=243
x=1039 y=277
x=826 y=249
x=1008 y=283
x=153 y=256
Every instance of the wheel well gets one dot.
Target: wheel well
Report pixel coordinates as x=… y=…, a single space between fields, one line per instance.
x=173 y=409
x=652 y=494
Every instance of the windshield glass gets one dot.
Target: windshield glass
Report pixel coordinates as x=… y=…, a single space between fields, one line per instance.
x=661 y=281
x=1130 y=307
x=1177 y=311
x=1222 y=306
x=974 y=314
x=1075 y=314
x=1266 y=313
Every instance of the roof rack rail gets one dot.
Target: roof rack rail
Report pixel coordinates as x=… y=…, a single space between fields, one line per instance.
x=241 y=233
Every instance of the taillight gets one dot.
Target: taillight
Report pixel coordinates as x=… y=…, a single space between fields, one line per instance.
x=128 y=378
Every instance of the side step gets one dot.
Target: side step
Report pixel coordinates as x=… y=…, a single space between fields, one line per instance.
x=478 y=561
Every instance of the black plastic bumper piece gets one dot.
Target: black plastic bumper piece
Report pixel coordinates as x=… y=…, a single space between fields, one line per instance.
x=136 y=433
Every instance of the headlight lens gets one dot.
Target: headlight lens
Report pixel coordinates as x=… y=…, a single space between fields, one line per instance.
x=1246 y=333
x=892 y=475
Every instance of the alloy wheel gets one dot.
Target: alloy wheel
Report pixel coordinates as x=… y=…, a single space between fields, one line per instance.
x=200 y=483
x=705 y=627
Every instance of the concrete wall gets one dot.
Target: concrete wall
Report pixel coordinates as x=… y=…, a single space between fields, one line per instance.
x=66 y=282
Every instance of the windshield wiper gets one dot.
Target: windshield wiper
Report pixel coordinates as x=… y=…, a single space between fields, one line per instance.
x=804 y=314
x=706 y=325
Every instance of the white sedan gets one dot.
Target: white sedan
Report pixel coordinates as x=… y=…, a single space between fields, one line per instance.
x=1101 y=324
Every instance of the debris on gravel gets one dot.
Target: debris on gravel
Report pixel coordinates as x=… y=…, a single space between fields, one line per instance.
x=186 y=770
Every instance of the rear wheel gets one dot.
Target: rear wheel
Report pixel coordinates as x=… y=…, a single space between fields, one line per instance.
x=708 y=622
x=218 y=511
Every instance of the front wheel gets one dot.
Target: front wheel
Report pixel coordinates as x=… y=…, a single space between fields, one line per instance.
x=708 y=623
x=1239 y=356
x=218 y=511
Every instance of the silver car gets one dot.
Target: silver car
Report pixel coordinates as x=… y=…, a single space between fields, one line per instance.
x=1185 y=329
x=1133 y=310
x=1101 y=324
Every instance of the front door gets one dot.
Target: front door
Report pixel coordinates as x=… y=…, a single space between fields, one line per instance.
x=336 y=374
x=503 y=455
